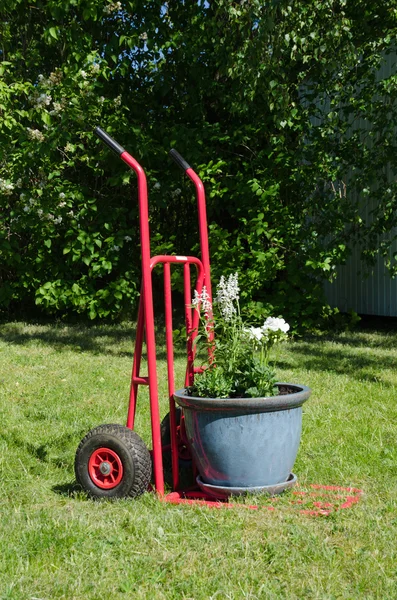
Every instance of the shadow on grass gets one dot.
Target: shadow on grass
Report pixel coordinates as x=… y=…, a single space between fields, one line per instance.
x=362 y=367
x=382 y=339
x=70 y=490
x=105 y=339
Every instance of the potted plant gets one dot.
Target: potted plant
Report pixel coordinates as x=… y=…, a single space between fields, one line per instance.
x=243 y=427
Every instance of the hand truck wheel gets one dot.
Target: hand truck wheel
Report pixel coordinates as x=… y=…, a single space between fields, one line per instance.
x=113 y=462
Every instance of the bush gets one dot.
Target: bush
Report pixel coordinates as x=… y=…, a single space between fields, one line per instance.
x=260 y=97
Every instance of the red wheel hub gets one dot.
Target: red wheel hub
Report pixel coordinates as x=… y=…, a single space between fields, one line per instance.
x=105 y=468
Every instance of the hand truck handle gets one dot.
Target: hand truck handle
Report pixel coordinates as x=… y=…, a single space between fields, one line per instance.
x=180 y=161
x=109 y=141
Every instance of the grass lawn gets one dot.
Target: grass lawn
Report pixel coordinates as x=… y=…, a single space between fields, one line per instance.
x=57 y=382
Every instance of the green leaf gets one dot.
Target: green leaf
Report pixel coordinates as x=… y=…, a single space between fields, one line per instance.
x=45 y=117
x=53 y=32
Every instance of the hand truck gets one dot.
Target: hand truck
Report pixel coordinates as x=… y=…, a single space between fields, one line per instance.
x=112 y=460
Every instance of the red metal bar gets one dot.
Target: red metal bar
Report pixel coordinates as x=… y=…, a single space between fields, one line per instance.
x=188 y=320
x=196 y=317
x=165 y=258
x=170 y=372
x=136 y=365
x=149 y=320
x=202 y=217
x=204 y=245
x=141 y=380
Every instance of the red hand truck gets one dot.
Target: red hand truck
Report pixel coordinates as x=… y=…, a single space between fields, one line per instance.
x=112 y=460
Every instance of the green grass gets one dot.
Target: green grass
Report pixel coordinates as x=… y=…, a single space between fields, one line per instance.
x=57 y=382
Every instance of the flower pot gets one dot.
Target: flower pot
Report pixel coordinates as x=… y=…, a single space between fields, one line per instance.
x=245 y=443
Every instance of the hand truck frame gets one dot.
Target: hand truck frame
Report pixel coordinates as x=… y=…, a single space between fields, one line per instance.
x=112 y=460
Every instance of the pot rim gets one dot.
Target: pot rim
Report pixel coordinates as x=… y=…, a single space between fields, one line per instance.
x=265 y=404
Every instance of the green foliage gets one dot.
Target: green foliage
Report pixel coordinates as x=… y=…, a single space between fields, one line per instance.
x=251 y=379
x=278 y=106
x=256 y=379
x=213 y=383
x=343 y=321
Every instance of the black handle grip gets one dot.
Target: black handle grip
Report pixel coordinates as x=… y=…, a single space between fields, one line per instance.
x=109 y=141
x=181 y=162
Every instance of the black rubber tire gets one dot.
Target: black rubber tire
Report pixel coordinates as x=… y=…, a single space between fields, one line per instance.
x=133 y=453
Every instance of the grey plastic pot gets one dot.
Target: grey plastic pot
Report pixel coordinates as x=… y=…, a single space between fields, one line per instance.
x=244 y=442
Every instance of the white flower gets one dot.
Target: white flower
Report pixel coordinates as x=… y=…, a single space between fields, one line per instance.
x=62 y=204
x=57 y=107
x=143 y=36
x=156 y=186
x=19 y=182
x=127 y=238
x=58 y=220
x=26 y=209
x=117 y=101
x=55 y=77
x=35 y=134
x=202 y=301
x=176 y=193
x=116 y=248
x=227 y=293
x=101 y=99
x=21 y=196
x=62 y=195
x=50 y=217
x=83 y=74
x=112 y=7
x=255 y=333
x=6 y=187
x=71 y=213
x=95 y=68
x=43 y=100
x=275 y=324
x=228 y=289
x=40 y=212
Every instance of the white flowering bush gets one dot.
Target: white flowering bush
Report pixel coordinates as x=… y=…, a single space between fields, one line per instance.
x=68 y=224
x=280 y=207
x=239 y=356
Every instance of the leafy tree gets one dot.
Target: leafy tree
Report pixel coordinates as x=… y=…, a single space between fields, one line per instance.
x=276 y=104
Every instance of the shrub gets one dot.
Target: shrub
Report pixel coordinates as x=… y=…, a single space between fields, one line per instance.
x=277 y=106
